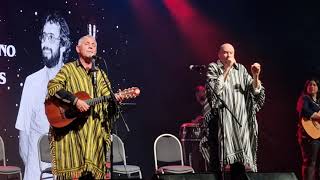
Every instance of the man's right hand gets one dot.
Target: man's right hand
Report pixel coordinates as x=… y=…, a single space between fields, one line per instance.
x=82 y=106
x=228 y=62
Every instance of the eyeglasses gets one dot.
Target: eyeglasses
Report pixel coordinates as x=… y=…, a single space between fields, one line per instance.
x=50 y=37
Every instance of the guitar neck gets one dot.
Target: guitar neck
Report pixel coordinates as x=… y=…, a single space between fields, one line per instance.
x=94 y=101
x=125 y=94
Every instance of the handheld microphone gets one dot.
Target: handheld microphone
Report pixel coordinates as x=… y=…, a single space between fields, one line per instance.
x=197 y=67
x=96 y=57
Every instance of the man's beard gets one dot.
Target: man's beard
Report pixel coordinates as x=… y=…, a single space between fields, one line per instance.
x=53 y=61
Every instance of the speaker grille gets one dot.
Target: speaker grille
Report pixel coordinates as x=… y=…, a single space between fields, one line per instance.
x=195 y=176
x=212 y=176
x=271 y=176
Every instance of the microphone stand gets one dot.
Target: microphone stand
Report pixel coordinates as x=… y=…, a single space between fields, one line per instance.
x=118 y=112
x=223 y=105
x=94 y=70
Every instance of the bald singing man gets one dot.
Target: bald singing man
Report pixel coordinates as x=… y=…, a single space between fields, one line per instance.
x=244 y=95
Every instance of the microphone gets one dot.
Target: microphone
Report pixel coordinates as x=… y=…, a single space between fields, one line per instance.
x=96 y=57
x=197 y=67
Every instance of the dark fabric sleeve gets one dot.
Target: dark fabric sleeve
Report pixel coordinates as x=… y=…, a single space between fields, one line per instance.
x=308 y=107
x=66 y=96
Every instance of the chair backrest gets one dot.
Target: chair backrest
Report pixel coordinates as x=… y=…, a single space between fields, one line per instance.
x=167 y=148
x=2 y=152
x=44 y=149
x=118 y=151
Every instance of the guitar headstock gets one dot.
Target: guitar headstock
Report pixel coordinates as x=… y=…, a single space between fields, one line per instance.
x=128 y=93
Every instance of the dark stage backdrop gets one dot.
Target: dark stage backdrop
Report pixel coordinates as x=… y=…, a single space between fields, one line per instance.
x=150 y=44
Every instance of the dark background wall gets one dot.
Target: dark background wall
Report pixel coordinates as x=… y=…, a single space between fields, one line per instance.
x=150 y=44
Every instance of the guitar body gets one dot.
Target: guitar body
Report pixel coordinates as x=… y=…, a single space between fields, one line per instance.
x=311 y=127
x=61 y=114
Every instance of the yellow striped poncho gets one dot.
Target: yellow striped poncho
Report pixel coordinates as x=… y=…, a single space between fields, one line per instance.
x=79 y=149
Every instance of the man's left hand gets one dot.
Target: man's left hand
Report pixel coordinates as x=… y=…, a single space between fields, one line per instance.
x=119 y=97
x=255 y=69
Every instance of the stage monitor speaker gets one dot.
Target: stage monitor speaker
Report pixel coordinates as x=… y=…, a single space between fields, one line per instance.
x=195 y=176
x=272 y=176
x=213 y=176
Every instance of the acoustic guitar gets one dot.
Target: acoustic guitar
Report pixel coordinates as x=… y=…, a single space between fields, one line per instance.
x=312 y=127
x=61 y=114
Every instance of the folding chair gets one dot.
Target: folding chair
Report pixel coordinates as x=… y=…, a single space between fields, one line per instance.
x=4 y=169
x=168 y=149
x=119 y=156
x=44 y=155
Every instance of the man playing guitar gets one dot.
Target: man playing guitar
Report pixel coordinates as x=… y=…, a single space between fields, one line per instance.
x=79 y=149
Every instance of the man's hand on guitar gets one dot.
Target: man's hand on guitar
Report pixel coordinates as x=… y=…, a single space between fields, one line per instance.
x=82 y=106
x=119 y=98
x=127 y=93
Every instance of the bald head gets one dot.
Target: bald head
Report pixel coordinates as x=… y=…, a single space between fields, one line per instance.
x=226 y=47
x=87 y=47
x=226 y=54
x=83 y=38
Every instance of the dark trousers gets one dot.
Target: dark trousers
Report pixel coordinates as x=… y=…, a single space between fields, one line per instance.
x=86 y=176
x=310 y=154
x=238 y=171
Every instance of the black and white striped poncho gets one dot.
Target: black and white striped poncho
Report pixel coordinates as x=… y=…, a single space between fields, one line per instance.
x=240 y=143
